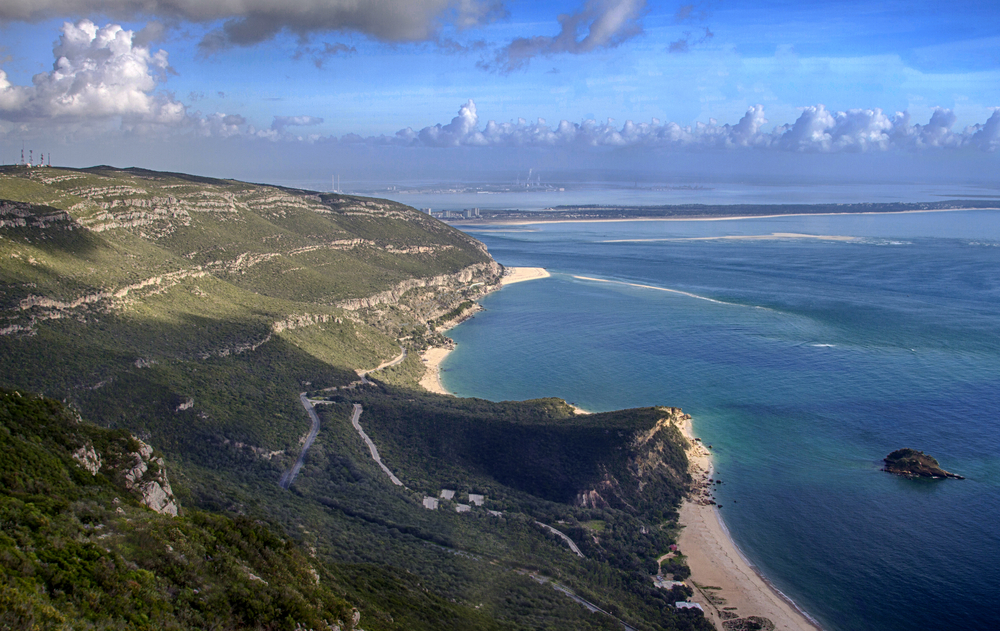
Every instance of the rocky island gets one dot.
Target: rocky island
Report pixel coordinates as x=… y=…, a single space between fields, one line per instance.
x=915 y=464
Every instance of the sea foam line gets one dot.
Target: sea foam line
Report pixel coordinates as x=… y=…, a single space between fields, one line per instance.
x=673 y=291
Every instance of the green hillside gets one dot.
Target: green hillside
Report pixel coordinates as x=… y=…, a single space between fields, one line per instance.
x=189 y=313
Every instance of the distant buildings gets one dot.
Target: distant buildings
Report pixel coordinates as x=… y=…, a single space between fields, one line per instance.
x=448 y=495
x=468 y=213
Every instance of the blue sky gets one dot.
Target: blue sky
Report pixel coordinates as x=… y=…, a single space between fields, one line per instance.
x=319 y=81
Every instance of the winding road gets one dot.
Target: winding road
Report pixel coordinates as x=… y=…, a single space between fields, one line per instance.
x=356 y=422
x=569 y=542
x=289 y=476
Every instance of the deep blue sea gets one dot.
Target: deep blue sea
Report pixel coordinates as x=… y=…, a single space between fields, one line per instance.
x=803 y=362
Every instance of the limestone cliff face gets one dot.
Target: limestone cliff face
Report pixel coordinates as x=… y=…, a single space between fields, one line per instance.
x=489 y=274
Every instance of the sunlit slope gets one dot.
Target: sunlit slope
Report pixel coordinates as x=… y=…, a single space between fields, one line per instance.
x=131 y=293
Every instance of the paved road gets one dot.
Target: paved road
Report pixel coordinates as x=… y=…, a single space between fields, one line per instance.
x=569 y=542
x=388 y=364
x=356 y=422
x=289 y=476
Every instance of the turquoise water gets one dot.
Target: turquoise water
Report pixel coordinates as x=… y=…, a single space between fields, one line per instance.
x=803 y=362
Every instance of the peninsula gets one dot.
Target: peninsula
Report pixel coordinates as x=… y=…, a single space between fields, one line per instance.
x=710 y=211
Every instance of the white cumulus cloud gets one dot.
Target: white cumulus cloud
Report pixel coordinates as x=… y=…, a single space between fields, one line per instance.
x=98 y=73
x=817 y=130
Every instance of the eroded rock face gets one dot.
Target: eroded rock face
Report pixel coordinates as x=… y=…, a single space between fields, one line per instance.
x=150 y=482
x=88 y=458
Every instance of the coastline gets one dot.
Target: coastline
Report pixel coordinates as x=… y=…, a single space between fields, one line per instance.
x=715 y=560
x=434 y=356
x=533 y=221
x=717 y=563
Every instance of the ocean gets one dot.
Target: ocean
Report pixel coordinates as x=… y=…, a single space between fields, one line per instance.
x=803 y=362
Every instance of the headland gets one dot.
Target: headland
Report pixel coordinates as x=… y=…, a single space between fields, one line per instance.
x=725 y=584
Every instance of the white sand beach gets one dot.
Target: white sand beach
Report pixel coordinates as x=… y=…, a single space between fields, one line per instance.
x=519 y=274
x=748 y=237
x=716 y=563
x=431 y=381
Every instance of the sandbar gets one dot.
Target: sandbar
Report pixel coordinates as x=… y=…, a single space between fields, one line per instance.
x=749 y=237
x=513 y=275
x=530 y=221
x=716 y=562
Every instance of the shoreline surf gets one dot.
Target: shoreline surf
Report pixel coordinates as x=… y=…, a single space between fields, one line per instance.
x=724 y=581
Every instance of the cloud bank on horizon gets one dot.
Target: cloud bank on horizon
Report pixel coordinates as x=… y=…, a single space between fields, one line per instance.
x=816 y=130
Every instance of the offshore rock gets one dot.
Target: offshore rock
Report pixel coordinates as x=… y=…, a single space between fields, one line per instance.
x=911 y=463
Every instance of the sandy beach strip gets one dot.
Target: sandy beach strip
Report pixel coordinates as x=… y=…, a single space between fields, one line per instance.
x=749 y=237
x=716 y=562
x=530 y=221
x=520 y=274
x=431 y=381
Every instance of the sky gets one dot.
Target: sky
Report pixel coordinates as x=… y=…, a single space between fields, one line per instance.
x=383 y=90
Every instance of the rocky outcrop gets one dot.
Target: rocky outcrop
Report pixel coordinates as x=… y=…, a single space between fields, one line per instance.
x=88 y=458
x=148 y=479
x=139 y=471
x=23 y=215
x=911 y=463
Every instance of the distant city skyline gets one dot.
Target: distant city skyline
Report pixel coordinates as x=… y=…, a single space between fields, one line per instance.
x=395 y=88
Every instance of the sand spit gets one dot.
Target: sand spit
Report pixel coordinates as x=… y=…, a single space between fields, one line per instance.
x=530 y=221
x=749 y=237
x=519 y=274
x=724 y=582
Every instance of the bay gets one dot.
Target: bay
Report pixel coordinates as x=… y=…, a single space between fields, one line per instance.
x=804 y=362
